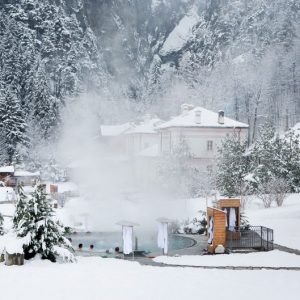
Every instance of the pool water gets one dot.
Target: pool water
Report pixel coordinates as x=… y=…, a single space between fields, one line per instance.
x=103 y=241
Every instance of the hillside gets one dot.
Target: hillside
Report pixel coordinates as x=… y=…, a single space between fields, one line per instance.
x=145 y=56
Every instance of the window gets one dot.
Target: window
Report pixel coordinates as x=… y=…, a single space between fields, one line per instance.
x=209 y=145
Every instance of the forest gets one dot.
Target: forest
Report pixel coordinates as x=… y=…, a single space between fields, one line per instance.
x=143 y=56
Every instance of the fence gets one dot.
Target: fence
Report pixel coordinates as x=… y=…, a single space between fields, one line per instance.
x=251 y=237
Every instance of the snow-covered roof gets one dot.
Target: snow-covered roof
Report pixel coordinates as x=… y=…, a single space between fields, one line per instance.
x=7 y=169
x=151 y=151
x=148 y=126
x=23 y=173
x=114 y=130
x=208 y=118
x=181 y=34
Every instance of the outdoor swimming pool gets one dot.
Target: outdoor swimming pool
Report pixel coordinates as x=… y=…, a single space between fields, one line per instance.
x=103 y=241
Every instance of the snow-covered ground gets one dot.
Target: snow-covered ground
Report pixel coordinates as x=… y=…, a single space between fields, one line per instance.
x=273 y=258
x=99 y=278
x=284 y=220
x=178 y=38
x=7 y=194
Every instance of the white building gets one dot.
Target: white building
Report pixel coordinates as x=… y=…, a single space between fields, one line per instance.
x=143 y=137
x=202 y=130
x=113 y=137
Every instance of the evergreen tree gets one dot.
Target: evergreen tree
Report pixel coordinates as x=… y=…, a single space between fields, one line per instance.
x=44 y=107
x=38 y=224
x=266 y=153
x=291 y=159
x=12 y=127
x=20 y=211
x=232 y=166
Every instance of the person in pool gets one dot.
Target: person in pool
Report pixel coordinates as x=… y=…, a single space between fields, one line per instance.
x=118 y=253
x=91 y=247
x=80 y=247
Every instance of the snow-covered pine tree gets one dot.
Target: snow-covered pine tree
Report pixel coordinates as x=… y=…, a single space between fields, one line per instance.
x=12 y=127
x=45 y=109
x=20 y=206
x=291 y=159
x=265 y=154
x=44 y=233
x=232 y=166
x=274 y=159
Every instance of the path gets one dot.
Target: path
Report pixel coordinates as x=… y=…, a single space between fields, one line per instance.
x=286 y=249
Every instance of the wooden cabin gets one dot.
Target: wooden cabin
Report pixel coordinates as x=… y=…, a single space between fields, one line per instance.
x=219 y=228
x=221 y=220
x=226 y=205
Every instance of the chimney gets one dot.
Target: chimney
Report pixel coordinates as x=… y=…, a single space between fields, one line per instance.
x=221 y=117
x=197 y=116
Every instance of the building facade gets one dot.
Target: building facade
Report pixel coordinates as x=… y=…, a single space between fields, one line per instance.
x=203 y=131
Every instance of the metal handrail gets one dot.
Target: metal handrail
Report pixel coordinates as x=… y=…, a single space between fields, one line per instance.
x=250 y=237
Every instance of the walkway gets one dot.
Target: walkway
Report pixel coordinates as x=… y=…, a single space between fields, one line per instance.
x=287 y=249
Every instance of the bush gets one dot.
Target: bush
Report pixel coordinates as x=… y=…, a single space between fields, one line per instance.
x=274 y=190
x=196 y=226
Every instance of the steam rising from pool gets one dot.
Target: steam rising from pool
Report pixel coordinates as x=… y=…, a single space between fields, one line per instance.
x=110 y=190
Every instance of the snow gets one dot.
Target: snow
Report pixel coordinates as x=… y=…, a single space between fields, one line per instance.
x=273 y=258
x=250 y=178
x=284 y=220
x=7 y=194
x=208 y=119
x=23 y=173
x=7 y=169
x=7 y=209
x=152 y=151
x=12 y=244
x=297 y=128
x=181 y=34
x=111 y=279
x=155 y=4
x=147 y=127
x=115 y=130
x=64 y=254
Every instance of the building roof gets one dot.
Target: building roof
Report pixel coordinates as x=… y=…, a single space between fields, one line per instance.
x=7 y=169
x=23 y=173
x=208 y=119
x=115 y=130
x=148 y=126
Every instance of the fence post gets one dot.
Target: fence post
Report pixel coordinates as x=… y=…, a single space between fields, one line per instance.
x=261 y=238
